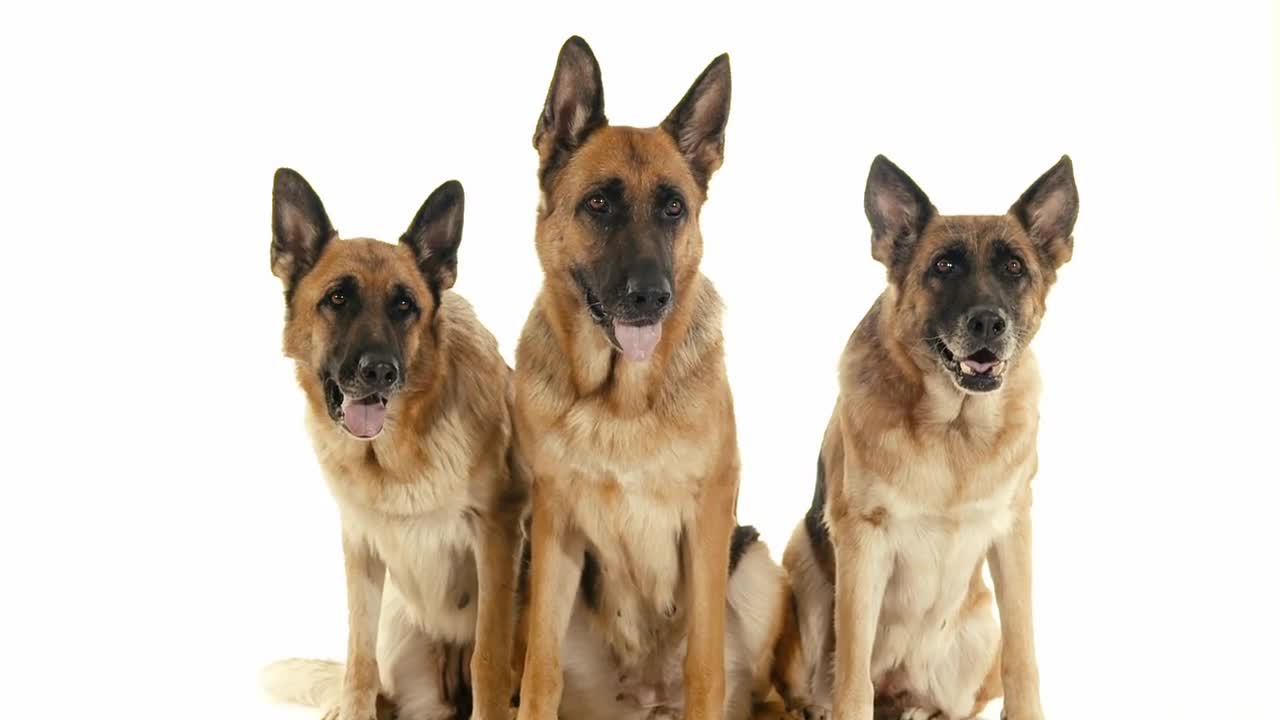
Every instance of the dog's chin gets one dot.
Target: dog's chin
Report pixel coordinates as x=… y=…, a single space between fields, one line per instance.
x=360 y=417
x=979 y=372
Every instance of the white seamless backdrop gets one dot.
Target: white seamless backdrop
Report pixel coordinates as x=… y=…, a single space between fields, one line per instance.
x=165 y=528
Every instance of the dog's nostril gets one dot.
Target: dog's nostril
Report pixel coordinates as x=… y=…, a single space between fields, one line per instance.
x=385 y=373
x=652 y=298
x=986 y=325
x=378 y=374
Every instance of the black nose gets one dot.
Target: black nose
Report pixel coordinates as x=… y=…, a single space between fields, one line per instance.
x=986 y=324
x=649 y=294
x=378 y=372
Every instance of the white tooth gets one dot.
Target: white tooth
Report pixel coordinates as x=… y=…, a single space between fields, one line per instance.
x=998 y=369
x=964 y=368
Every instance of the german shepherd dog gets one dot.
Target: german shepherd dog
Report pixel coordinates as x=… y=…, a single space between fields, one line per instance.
x=926 y=467
x=624 y=413
x=409 y=410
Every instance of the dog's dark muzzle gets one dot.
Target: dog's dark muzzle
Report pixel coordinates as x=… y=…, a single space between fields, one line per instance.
x=356 y=397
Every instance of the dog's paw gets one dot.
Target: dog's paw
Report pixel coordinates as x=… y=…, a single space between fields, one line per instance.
x=921 y=714
x=811 y=712
x=1028 y=715
x=351 y=713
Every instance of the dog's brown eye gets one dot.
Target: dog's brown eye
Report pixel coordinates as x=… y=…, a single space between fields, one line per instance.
x=337 y=298
x=675 y=208
x=944 y=266
x=403 y=305
x=597 y=203
x=1013 y=267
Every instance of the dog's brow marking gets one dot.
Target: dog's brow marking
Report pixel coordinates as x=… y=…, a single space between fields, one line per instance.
x=947 y=228
x=634 y=157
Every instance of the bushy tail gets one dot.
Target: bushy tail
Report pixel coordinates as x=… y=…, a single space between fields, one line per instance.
x=316 y=683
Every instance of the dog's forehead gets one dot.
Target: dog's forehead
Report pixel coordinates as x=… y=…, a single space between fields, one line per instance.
x=977 y=233
x=376 y=266
x=641 y=158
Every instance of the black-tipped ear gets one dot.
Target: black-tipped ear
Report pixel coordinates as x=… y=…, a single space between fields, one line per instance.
x=1048 y=209
x=574 y=107
x=299 y=227
x=435 y=234
x=697 y=123
x=898 y=210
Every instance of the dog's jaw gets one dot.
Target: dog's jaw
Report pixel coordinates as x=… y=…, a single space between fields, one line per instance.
x=362 y=418
x=634 y=340
x=977 y=372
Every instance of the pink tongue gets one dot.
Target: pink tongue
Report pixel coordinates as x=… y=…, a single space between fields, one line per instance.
x=364 y=418
x=637 y=341
x=980 y=367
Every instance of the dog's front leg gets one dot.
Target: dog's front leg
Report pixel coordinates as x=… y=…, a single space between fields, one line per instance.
x=557 y=555
x=365 y=574
x=497 y=556
x=706 y=565
x=1010 y=559
x=863 y=565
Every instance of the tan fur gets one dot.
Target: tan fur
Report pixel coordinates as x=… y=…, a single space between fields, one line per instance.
x=956 y=475
x=923 y=483
x=628 y=457
x=635 y=462
x=431 y=508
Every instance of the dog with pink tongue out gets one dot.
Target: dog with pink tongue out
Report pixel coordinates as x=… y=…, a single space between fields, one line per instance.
x=624 y=417
x=408 y=407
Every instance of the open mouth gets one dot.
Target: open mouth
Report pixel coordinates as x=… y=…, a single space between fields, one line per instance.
x=981 y=371
x=594 y=305
x=363 y=417
x=635 y=339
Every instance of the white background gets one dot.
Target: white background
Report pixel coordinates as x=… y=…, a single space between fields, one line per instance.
x=165 y=528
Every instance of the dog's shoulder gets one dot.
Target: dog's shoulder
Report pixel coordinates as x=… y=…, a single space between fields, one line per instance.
x=543 y=375
x=478 y=377
x=467 y=335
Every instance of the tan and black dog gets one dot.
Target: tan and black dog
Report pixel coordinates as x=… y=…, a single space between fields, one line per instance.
x=408 y=406
x=926 y=467
x=624 y=413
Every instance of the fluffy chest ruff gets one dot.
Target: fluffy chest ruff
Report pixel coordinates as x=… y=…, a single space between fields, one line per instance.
x=415 y=505
x=936 y=550
x=630 y=462
x=939 y=492
x=631 y=508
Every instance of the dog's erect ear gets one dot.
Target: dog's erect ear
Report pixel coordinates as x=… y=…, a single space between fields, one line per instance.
x=898 y=210
x=697 y=123
x=574 y=107
x=299 y=227
x=1048 y=209
x=435 y=234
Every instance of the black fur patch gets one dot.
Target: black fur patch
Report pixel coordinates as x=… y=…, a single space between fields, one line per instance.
x=454 y=679
x=744 y=536
x=814 y=524
x=590 y=582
